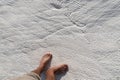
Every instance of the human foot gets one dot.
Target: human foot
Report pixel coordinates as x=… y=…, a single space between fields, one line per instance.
x=59 y=69
x=43 y=63
x=45 y=60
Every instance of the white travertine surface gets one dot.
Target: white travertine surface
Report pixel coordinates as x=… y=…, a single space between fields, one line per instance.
x=85 y=34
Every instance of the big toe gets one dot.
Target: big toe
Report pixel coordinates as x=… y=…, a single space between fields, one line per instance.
x=65 y=68
x=48 y=55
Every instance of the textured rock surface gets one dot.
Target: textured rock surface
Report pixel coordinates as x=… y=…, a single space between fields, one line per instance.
x=83 y=33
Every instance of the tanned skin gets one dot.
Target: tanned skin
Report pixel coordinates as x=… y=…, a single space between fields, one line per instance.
x=52 y=71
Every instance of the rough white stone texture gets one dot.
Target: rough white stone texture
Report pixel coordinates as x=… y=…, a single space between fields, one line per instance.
x=85 y=34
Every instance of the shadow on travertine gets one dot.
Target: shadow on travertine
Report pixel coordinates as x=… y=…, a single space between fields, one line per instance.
x=43 y=76
x=58 y=77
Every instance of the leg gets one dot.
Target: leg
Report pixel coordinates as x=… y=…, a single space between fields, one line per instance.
x=34 y=75
x=58 y=69
x=44 y=61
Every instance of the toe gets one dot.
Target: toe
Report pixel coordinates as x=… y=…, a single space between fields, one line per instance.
x=65 y=67
x=48 y=54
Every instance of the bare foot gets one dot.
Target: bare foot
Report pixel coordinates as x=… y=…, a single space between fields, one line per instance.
x=45 y=60
x=59 y=69
x=43 y=63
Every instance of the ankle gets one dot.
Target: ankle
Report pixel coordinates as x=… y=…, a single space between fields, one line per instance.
x=37 y=71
